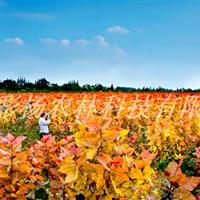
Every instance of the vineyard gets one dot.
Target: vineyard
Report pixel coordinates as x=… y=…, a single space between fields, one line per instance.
x=103 y=146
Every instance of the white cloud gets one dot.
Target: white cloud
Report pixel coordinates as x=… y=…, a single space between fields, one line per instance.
x=83 y=42
x=52 y=41
x=17 y=41
x=119 y=51
x=101 y=41
x=117 y=29
x=65 y=42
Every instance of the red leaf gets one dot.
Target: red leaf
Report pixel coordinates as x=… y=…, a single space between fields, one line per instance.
x=47 y=138
x=68 y=138
x=116 y=161
x=197 y=153
x=8 y=139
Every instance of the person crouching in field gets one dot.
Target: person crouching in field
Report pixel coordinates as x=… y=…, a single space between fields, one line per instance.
x=44 y=122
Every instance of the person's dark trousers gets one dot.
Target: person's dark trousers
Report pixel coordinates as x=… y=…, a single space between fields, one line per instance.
x=43 y=134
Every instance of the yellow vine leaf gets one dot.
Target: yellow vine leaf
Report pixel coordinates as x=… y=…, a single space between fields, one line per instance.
x=99 y=175
x=148 y=172
x=90 y=153
x=3 y=173
x=69 y=168
x=179 y=194
x=136 y=174
x=123 y=133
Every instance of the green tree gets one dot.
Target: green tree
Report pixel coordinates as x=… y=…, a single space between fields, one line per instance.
x=71 y=86
x=10 y=85
x=42 y=84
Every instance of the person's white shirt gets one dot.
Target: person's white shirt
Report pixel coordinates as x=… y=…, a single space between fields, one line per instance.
x=44 y=125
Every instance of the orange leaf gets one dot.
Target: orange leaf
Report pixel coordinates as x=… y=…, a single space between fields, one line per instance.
x=191 y=184
x=116 y=161
x=139 y=163
x=104 y=159
x=94 y=125
x=38 y=177
x=55 y=184
x=183 y=195
x=1 y=192
x=146 y=155
x=173 y=169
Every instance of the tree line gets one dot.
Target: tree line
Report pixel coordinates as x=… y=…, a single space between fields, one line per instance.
x=22 y=85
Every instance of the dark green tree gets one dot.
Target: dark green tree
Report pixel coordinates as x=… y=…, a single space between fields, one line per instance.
x=28 y=86
x=10 y=85
x=1 y=85
x=112 y=88
x=98 y=87
x=42 y=84
x=21 y=83
x=55 y=87
x=71 y=86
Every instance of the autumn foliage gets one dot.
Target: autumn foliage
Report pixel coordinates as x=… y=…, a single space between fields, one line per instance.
x=128 y=146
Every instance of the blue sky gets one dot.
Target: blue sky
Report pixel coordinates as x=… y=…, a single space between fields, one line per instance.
x=127 y=43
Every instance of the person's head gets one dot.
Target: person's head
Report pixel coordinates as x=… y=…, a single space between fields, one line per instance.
x=43 y=114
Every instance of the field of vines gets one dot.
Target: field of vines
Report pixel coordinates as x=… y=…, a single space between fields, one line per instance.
x=103 y=146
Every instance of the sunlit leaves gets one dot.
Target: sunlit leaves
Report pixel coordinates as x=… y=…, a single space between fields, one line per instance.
x=69 y=168
x=186 y=184
x=115 y=146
